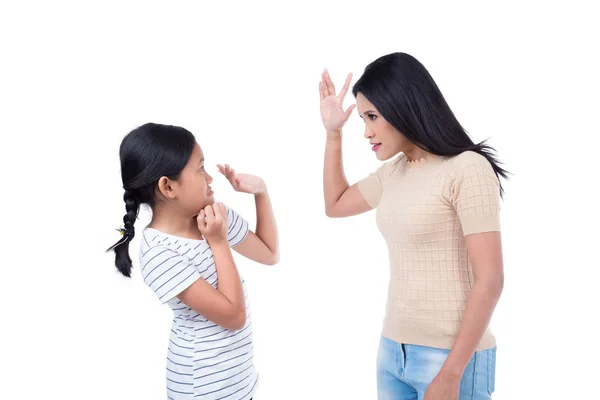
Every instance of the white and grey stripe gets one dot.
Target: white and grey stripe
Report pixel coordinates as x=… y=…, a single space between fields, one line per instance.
x=204 y=361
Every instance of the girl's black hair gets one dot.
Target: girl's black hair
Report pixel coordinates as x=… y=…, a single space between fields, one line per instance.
x=147 y=153
x=406 y=95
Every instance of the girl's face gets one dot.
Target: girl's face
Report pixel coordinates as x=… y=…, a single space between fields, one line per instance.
x=385 y=140
x=192 y=189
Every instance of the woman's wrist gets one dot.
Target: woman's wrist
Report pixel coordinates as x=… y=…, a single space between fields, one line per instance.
x=334 y=134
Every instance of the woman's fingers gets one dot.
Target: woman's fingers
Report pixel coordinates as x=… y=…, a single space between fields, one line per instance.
x=329 y=83
x=349 y=112
x=322 y=90
x=346 y=87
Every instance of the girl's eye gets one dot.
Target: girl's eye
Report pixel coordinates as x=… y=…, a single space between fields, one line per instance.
x=372 y=117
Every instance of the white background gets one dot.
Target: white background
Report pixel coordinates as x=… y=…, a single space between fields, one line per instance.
x=243 y=77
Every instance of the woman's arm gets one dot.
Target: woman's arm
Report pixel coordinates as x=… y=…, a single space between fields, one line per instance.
x=341 y=199
x=485 y=254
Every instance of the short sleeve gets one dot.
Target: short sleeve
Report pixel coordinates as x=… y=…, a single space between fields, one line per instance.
x=475 y=194
x=238 y=227
x=371 y=187
x=167 y=272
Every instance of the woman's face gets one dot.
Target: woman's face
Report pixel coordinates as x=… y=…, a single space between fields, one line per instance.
x=385 y=140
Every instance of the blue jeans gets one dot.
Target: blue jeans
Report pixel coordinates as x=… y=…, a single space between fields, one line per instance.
x=404 y=371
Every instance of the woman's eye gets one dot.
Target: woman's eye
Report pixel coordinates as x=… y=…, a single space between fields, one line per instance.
x=372 y=117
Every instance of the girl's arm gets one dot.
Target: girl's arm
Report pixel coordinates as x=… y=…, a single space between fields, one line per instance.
x=262 y=246
x=224 y=306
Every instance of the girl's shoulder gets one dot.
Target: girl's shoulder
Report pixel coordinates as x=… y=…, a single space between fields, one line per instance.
x=154 y=241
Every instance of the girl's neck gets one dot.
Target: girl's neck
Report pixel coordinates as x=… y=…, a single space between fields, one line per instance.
x=175 y=224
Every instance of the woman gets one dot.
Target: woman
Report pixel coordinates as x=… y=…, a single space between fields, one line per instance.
x=187 y=261
x=437 y=197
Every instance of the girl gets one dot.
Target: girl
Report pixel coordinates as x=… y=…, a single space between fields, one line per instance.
x=186 y=259
x=437 y=199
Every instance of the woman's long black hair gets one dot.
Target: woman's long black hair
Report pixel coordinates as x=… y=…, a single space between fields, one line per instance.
x=406 y=95
x=147 y=153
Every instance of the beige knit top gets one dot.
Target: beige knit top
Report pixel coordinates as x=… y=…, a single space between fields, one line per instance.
x=424 y=210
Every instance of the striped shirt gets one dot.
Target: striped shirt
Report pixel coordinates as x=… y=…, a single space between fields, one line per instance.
x=204 y=361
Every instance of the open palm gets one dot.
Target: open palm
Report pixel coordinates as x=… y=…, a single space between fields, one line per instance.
x=332 y=113
x=244 y=183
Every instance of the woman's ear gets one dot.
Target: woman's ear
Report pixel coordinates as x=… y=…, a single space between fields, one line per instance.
x=165 y=187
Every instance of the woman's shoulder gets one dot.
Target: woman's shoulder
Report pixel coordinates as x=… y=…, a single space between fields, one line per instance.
x=468 y=157
x=470 y=165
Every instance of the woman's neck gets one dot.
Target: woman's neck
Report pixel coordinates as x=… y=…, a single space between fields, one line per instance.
x=415 y=154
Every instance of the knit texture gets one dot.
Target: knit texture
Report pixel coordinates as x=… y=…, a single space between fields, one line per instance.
x=424 y=210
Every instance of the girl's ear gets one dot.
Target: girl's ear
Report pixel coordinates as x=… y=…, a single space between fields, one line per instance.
x=165 y=187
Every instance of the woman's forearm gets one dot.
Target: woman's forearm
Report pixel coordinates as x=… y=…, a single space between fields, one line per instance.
x=476 y=318
x=334 y=179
